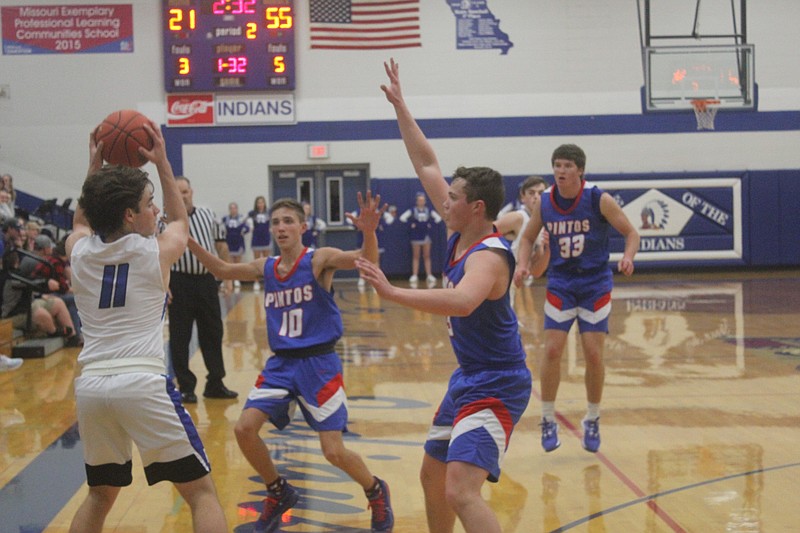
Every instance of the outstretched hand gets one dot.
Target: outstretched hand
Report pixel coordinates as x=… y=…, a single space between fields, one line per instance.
x=373 y=275
x=369 y=213
x=392 y=91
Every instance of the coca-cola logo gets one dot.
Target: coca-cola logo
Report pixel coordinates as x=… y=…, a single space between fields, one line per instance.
x=190 y=110
x=187 y=108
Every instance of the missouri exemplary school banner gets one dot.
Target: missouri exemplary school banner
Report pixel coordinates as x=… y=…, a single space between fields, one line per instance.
x=695 y=219
x=61 y=29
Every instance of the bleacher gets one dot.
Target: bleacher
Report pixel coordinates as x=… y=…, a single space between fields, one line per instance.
x=55 y=218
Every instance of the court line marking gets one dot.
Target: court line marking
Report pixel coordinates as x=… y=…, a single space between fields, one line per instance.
x=615 y=508
x=647 y=498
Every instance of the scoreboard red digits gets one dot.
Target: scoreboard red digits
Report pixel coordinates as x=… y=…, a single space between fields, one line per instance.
x=228 y=45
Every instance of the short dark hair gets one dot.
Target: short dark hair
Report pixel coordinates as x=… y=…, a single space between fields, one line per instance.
x=288 y=203
x=11 y=223
x=108 y=192
x=531 y=181
x=570 y=152
x=483 y=183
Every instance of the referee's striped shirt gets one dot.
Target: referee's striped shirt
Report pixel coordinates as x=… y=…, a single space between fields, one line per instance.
x=203 y=227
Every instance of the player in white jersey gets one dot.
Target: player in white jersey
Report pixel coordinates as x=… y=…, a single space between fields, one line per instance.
x=512 y=224
x=120 y=275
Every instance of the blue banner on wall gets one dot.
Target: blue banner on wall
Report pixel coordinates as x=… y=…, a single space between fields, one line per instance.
x=676 y=221
x=477 y=28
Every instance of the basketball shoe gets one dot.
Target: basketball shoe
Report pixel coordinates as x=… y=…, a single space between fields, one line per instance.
x=549 y=435
x=591 y=435
x=381 y=506
x=274 y=507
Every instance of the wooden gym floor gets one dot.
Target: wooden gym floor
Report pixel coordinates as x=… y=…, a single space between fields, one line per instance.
x=700 y=420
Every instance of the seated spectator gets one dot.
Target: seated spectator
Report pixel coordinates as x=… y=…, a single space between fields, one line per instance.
x=49 y=314
x=42 y=249
x=32 y=230
x=12 y=236
x=6 y=206
x=56 y=270
x=7 y=184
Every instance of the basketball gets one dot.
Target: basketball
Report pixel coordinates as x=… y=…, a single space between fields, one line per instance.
x=122 y=133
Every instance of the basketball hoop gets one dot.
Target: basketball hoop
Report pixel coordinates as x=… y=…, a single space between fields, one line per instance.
x=704 y=111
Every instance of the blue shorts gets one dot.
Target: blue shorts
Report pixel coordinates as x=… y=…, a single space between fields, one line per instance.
x=476 y=417
x=313 y=383
x=586 y=298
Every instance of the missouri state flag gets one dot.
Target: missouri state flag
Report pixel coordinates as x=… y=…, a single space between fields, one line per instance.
x=364 y=24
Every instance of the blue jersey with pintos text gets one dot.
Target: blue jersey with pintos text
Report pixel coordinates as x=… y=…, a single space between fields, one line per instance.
x=300 y=313
x=578 y=231
x=488 y=338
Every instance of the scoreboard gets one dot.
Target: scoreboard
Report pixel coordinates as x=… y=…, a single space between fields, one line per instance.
x=228 y=45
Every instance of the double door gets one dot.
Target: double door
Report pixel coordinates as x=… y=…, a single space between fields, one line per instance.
x=330 y=190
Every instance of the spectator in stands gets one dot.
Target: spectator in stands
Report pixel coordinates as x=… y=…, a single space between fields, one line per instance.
x=49 y=314
x=6 y=205
x=12 y=235
x=56 y=270
x=32 y=230
x=42 y=248
x=7 y=184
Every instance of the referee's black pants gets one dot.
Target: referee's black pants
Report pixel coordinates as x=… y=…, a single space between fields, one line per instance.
x=195 y=299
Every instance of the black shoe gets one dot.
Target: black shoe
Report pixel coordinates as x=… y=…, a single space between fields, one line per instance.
x=188 y=397
x=73 y=342
x=220 y=391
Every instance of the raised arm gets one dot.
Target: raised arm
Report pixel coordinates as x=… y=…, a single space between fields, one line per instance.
x=419 y=149
x=171 y=241
x=486 y=277
x=80 y=226
x=222 y=269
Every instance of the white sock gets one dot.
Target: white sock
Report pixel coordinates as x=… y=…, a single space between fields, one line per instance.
x=549 y=411
x=592 y=411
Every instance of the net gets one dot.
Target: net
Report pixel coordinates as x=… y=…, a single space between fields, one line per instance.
x=704 y=112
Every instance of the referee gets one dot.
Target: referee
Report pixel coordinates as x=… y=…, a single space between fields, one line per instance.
x=195 y=299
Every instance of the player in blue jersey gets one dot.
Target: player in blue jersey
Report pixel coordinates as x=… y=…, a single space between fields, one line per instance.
x=491 y=387
x=303 y=326
x=577 y=216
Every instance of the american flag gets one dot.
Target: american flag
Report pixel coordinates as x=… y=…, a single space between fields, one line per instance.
x=364 y=24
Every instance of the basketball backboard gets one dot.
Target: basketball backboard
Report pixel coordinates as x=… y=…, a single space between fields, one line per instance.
x=676 y=75
x=696 y=50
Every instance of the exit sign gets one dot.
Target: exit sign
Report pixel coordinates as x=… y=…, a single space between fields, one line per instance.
x=318 y=151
